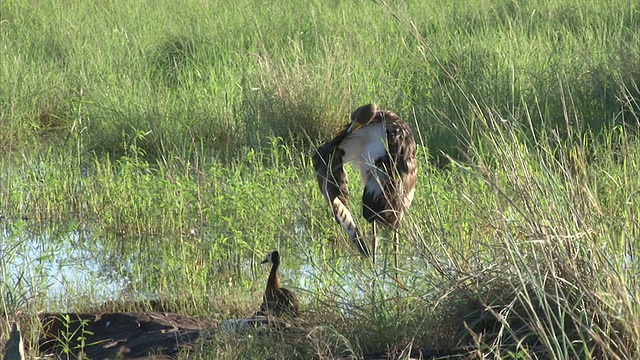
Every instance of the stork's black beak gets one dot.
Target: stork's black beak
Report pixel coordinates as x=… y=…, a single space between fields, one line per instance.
x=362 y=115
x=264 y=261
x=355 y=125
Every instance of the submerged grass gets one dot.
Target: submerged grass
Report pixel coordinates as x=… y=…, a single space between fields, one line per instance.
x=169 y=144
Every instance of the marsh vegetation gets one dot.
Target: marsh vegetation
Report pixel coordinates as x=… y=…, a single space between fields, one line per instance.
x=159 y=150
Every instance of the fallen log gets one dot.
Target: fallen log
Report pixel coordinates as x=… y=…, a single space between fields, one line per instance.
x=121 y=335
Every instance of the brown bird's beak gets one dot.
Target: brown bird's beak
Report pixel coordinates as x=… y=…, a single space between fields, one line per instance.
x=265 y=261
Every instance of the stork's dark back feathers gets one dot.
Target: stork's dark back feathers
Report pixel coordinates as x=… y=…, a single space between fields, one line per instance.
x=396 y=174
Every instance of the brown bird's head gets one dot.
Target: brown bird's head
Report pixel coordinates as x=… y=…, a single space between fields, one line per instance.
x=272 y=257
x=362 y=116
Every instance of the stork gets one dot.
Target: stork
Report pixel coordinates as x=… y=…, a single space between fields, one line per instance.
x=379 y=145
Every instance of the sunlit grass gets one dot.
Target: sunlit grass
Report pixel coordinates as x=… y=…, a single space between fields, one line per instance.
x=236 y=75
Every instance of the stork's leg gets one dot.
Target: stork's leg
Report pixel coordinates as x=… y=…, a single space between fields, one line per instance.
x=374 y=241
x=396 y=247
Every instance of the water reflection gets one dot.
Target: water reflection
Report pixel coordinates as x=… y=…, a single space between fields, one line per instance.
x=57 y=266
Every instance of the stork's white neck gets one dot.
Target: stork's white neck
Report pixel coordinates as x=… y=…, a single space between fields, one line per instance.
x=364 y=146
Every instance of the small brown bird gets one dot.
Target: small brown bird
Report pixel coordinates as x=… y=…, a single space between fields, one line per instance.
x=381 y=147
x=277 y=300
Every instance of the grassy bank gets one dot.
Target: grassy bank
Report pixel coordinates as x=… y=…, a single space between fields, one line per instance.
x=169 y=144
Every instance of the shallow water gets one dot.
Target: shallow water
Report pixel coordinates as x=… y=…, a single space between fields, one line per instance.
x=57 y=266
x=62 y=265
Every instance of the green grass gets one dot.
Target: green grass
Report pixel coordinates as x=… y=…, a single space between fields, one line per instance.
x=232 y=76
x=172 y=142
